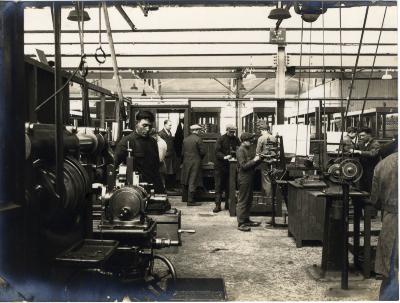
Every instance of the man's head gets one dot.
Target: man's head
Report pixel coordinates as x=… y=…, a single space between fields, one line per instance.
x=144 y=123
x=231 y=130
x=168 y=125
x=351 y=132
x=264 y=128
x=365 y=134
x=195 y=128
x=247 y=138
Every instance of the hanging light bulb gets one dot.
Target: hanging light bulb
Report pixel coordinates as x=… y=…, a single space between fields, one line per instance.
x=134 y=87
x=387 y=76
x=144 y=93
x=249 y=72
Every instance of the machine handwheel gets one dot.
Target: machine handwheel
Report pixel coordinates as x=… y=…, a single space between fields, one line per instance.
x=161 y=270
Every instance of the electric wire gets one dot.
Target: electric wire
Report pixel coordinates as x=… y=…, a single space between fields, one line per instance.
x=65 y=84
x=299 y=88
x=360 y=122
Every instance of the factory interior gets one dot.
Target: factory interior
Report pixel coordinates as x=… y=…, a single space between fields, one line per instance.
x=187 y=150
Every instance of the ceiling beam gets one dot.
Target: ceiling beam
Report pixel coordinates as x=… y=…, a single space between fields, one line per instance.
x=214 y=43
x=337 y=68
x=228 y=55
x=228 y=75
x=201 y=3
x=228 y=29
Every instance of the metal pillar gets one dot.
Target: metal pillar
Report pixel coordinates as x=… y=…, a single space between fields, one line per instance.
x=12 y=147
x=58 y=109
x=102 y=111
x=280 y=85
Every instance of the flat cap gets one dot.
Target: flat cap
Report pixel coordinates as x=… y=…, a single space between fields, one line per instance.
x=246 y=137
x=230 y=127
x=195 y=127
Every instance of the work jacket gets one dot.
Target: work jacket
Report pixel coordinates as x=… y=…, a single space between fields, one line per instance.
x=225 y=146
x=146 y=159
x=384 y=195
x=246 y=164
x=193 y=151
x=369 y=158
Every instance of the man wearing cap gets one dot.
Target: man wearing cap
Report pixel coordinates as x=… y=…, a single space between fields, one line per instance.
x=247 y=165
x=225 y=148
x=193 y=151
x=263 y=141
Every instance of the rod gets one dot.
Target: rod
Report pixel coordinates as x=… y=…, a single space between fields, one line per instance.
x=125 y=16
x=58 y=109
x=360 y=122
x=120 y=99
x=356 y=64
x=344 y=281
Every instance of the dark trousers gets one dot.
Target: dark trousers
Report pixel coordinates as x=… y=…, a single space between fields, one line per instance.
x=187 y=196
x=221 y=185
x=245 y=198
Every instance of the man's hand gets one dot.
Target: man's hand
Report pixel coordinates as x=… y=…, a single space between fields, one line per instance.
x=257 y=158
x=357 y=151
x=227 y=157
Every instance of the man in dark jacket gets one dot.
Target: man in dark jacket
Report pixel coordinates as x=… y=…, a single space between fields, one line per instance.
x=225 y=148
x=169 y=160
x=384 y=196
x=247 y=165
x=144 y=151
x=193 y=151
x=368 y=149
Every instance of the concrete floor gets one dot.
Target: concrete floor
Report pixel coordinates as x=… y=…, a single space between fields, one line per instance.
x=261 y=265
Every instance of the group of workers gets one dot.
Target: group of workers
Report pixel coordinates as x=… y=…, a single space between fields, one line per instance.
x=379 y=176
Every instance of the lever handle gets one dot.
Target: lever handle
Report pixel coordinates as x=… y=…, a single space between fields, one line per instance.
x=188 y=231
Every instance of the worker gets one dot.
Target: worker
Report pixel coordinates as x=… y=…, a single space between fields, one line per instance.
x=193 y=151
x=162 y=152
x=144 y=151
x=263 y=141
x=225 y=149
x=384 y=195
x=169 y=160
x=349 y=141
x=247 y=166
x=368 y=149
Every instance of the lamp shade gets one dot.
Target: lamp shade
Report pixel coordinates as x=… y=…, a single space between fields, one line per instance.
x=279 y=14
x=75 y=15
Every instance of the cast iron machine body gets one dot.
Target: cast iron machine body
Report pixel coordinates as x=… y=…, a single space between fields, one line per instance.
x=60 y=234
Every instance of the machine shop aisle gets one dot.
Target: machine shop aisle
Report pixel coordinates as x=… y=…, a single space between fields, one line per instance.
x=261 y=265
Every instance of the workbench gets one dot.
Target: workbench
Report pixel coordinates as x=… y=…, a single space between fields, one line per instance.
x=306 y=211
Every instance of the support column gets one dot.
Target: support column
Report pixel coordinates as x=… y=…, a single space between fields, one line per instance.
x=280 y=85
x=12 y=147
